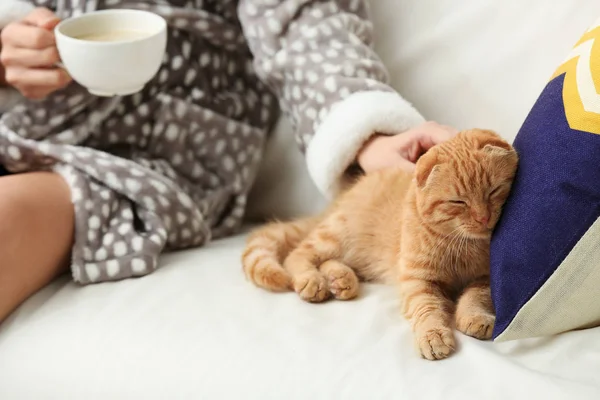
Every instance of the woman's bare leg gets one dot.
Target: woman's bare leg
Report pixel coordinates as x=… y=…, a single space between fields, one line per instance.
x=36 y=234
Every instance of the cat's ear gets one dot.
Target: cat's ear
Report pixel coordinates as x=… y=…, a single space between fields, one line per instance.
x=499 y=151
x=491 y=142
x=425 y=168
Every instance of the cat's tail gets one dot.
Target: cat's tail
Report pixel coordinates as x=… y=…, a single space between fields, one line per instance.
x=266 y=249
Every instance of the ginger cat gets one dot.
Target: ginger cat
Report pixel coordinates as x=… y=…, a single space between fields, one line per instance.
x=427 y=232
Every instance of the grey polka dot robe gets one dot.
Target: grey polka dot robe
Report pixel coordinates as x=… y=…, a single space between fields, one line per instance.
x=170 y=167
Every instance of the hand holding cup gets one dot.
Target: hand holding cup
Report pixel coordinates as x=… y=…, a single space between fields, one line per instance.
x=29 y=55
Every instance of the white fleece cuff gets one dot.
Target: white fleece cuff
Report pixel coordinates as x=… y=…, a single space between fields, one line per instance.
x=349 y=124
x=13 y=10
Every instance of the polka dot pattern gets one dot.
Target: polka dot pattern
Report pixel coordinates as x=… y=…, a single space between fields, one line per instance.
x=323 y=55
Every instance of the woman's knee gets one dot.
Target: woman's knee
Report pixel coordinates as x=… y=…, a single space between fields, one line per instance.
x=36 y=216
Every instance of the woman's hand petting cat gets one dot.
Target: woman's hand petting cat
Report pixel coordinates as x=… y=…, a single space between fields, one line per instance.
x=402 y=150
x=29 y=55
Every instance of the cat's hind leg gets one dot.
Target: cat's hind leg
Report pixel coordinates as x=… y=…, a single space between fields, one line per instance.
x=310 y=284
x=303 y=263
x=267 y=247
x=343 y=282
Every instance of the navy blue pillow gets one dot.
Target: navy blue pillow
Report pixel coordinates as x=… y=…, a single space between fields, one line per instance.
x=545 y=254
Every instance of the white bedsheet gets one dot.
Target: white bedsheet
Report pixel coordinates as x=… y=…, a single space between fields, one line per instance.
x=197 y=330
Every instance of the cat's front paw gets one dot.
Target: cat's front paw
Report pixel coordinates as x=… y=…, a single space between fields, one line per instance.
x=436 y=344
x=311 y=286
x=479 y=326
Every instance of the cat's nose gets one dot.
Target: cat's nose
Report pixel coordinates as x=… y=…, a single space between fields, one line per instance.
x=483 y=218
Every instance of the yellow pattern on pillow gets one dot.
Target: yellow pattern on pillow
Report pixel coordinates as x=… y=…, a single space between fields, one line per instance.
x=581 y=95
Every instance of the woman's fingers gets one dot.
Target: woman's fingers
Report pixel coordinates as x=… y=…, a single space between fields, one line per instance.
x=431 y=134
x=43 y=18
x=36 y=83
x=22 y=35
x=29 y=55
x=22 y=57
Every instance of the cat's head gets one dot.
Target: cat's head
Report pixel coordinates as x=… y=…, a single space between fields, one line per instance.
x=462 y=184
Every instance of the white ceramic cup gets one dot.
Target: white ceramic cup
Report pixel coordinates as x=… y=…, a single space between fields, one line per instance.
x=112 y=68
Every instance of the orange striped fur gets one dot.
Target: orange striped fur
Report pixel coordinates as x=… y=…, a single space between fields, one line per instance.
x=428 y=233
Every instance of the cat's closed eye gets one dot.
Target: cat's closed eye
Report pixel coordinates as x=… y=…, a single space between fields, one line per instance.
x=457 y=202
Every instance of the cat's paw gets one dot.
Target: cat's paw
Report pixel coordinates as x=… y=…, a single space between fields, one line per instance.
x=479 y=326
x=436 y=344
x=311 y=286
x=343 y=282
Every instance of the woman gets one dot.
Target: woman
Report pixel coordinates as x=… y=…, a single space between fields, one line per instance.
x=104 y=185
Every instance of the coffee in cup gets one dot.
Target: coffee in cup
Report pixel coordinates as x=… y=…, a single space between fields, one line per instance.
x=114 y=36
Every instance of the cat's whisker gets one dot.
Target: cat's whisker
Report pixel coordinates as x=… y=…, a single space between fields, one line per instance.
x=450 y=247
x=442 y=240
x=464 y=244
x=456 y=250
